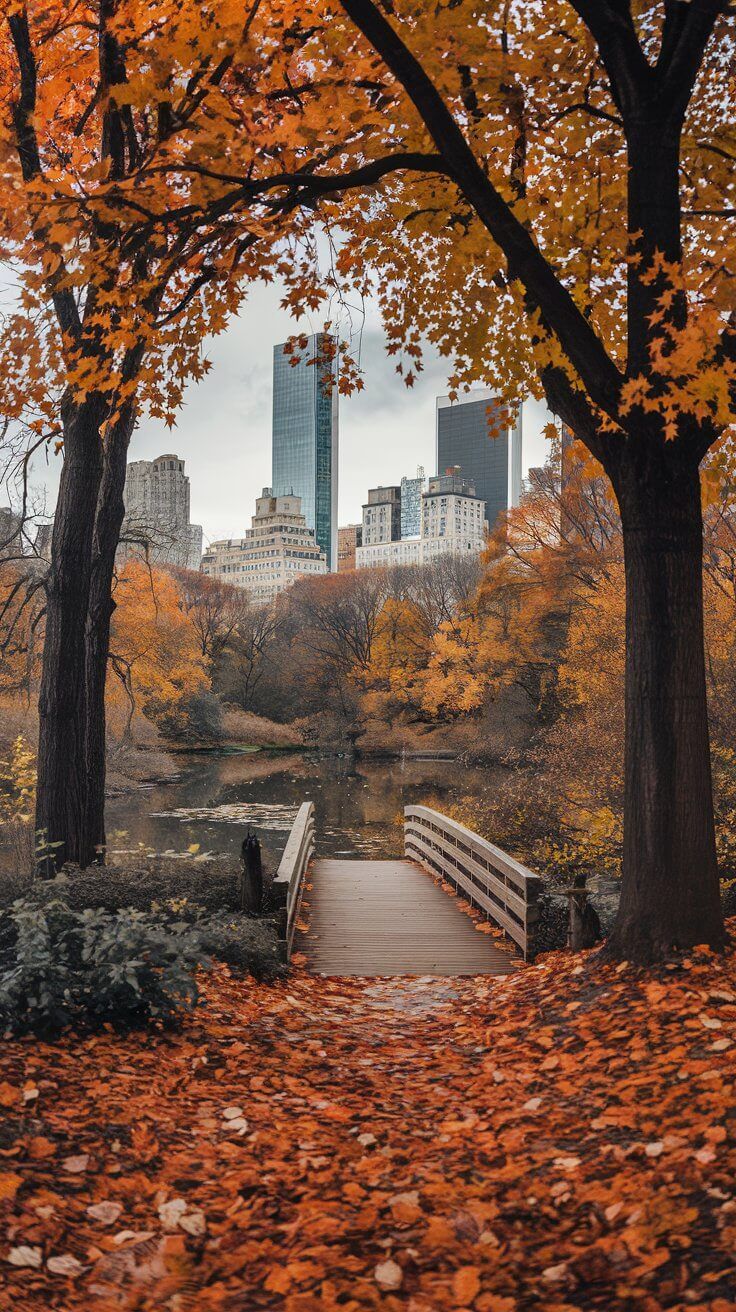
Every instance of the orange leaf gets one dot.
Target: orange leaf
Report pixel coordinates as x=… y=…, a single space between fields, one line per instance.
x=465 y=1285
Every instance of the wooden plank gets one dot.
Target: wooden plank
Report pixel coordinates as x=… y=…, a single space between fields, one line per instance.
x=373 y=918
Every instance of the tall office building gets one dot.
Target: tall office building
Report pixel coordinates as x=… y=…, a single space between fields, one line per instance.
x=464 y=443
x=157 y=522
x=305 y=436
x=411 y=504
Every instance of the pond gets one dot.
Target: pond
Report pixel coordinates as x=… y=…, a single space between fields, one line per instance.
x=358 y=804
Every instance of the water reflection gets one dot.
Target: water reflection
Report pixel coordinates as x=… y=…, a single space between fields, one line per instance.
x=359 y=804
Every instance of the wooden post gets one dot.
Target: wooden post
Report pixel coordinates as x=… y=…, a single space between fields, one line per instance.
x=584 y=927
x=251 y=880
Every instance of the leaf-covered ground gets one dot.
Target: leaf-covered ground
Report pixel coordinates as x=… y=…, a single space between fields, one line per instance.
x=561 y=1139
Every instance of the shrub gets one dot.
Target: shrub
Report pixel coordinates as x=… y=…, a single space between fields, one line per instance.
x=194 y=719
x=247 y=946
x=213 y=885
x=60 y=967
x=245 y=728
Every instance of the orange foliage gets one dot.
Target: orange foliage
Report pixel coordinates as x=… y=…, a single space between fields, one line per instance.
x=194 y=160
x=155 y=653
x=417 y=1145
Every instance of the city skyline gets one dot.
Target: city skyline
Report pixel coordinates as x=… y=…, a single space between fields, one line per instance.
x=226 y=420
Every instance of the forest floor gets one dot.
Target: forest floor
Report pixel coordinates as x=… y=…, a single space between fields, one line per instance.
x=562 y=1139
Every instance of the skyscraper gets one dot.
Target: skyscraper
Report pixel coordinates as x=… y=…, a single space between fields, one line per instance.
x=157 y=519
x=305 y=436
x=464 y=443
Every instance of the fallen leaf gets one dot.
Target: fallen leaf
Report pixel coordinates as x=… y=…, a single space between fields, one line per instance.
x=9 y=1185
x=25 y=1255
x=466 y=1284
x=75 y=1165
x=105 y=1211
x=136 y=1236
x=388 y=1275
x=171 y=1212
x=64 y=1265
x=193 y=1223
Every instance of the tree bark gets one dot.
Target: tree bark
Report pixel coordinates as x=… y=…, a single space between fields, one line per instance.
x=108 y=523
x=62 y=777
x=670 y=889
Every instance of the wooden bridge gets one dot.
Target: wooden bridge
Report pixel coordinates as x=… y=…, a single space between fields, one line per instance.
x=378 y=918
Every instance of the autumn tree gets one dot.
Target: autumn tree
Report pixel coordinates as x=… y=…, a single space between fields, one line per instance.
x=399 y=651
x=555 y=188
x=21 y=628
x=253 y=651
x=217 y=611
x=124 y=262
x=439 y=590
x=155 y=652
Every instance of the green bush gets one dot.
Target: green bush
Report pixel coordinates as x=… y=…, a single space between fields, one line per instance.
x=61 y=967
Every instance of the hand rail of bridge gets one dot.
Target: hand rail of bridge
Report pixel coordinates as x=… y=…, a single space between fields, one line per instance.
x=288 y=885
x=490 y=879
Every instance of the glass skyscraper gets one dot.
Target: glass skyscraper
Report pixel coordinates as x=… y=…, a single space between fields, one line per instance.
x=411 y=504
x=492 y=463
x=305 y=435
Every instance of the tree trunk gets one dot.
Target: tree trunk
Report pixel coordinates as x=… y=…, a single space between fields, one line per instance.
x=62 y=776
x=670 y=890
x=108 y=522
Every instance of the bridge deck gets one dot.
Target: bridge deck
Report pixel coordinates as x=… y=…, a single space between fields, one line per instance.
x=390 y=918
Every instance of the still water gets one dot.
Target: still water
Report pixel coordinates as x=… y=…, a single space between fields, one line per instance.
x=359 y=804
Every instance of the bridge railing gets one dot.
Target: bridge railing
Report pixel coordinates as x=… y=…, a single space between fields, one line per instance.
x=490 y=879
x=288 y=886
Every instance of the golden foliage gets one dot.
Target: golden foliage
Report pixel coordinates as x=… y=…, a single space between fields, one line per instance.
x=156 y=659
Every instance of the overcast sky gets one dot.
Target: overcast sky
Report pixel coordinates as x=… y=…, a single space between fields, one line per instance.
x=224 y=429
